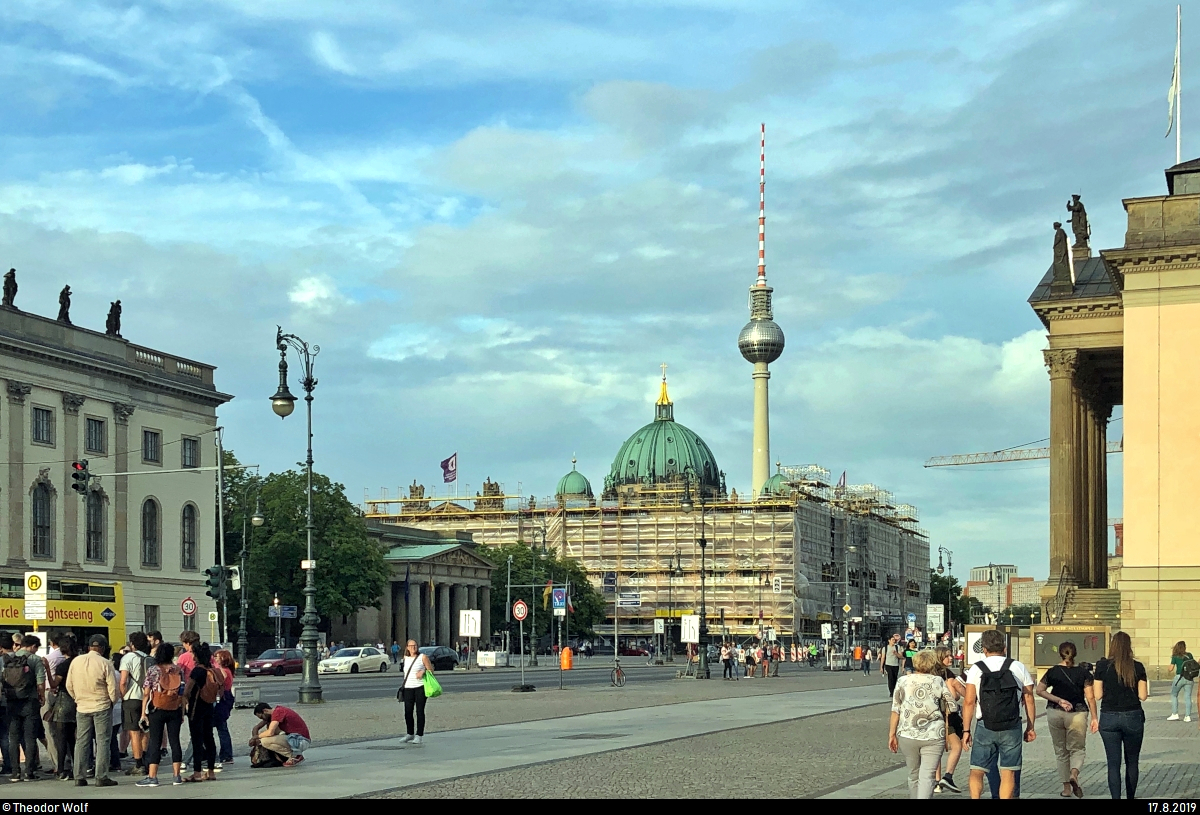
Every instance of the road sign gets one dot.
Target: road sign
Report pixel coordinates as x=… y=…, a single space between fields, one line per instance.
x=629 y=599
x=213 y=616
x=470 y=622
x=912 y=618
x=935 y=618
x=520 y=610
x=770 y=632
x=660 y=626
x=188 y=607
x=35 y=610
x=308 y=564
x=35 y=585
x=689 y=628
x=826 y=631
x=846 y=608
x=610 y=582
x=282 y=612
x=777 y=584
x=558 y=599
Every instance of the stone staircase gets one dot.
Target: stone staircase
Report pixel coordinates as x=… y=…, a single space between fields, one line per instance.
x=1092 y=606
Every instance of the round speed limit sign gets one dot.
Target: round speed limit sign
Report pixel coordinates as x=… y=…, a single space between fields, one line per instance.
x=520 y=610
x=188 y=607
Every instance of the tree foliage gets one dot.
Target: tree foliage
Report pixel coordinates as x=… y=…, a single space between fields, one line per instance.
x=531 y=568
x=351 y=572
x=943 y=586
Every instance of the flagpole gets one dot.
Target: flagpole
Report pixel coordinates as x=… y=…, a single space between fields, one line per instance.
x=1178 y=82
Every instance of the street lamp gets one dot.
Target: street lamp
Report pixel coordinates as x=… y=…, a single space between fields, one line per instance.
x=676 y=570
x=256 y=520
x=686 y=505
x=533 y=663
x=942 y=550
x=283 y=403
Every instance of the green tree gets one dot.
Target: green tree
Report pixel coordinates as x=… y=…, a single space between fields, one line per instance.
x=531 y=568
x=943 y=586
x=1027 y=614
x=351 y=572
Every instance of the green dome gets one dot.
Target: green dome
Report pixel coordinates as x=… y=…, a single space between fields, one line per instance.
x=660 y=451
x=776 y=485
x=573 y=485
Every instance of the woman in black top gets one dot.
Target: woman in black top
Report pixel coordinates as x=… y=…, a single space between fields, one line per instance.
x=1121 y=684
x=200 y=716
x=1070 y=696
x=62 y=711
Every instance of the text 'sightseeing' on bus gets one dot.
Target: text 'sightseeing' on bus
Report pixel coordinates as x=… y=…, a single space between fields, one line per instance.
x=81 y=607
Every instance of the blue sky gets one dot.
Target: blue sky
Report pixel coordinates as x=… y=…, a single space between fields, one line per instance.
x=497 y=225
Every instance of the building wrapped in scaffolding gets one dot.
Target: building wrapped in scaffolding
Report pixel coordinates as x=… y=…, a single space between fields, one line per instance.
x=788 y=560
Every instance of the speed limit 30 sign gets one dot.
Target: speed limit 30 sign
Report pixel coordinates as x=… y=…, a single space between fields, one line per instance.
x=188 y=607
x=520 y=610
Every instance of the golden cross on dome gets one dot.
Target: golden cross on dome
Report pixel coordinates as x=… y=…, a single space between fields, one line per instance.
x=664 y=367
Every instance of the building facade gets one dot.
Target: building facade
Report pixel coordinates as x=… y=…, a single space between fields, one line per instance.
x=995 y=572
x=138 y=543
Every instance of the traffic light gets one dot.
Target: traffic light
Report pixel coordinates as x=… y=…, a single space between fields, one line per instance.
x=80 y=477
x=235 y=578
x=215 y=581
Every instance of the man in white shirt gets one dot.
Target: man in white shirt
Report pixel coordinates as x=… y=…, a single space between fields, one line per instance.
x=998 y=739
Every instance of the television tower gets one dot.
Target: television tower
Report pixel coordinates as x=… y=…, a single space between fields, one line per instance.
x=761 y=341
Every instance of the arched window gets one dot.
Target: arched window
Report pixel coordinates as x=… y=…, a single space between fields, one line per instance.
x=96 y=527
x=187 y=555
x=43 y=515
x=151 y=540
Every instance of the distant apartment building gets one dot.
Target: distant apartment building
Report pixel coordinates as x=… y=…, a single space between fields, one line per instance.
x=996 y=572
x=1007 y=590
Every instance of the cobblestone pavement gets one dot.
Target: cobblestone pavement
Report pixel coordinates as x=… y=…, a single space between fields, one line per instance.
x=797 y=758
x=347 y=721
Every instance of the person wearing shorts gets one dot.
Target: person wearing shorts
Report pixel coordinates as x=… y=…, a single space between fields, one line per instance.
x=1001 y=748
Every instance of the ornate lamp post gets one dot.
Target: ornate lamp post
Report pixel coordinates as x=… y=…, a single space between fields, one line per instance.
x=686 y=505
x=283 y=403
x=676 y=570
x=533 y=663
x=942 y=550
x=256 y=520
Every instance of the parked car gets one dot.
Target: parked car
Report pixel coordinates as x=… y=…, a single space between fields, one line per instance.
x=634 y=651
x=442 y=658
x=354 y=660
x=277 y=662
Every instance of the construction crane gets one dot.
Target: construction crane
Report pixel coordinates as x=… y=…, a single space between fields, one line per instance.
x=1000 y=456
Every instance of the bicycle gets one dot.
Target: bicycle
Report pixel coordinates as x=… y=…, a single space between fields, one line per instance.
x=618 y=676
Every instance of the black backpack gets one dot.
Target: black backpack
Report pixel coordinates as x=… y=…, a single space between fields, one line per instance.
x=19 y=680
x=999 y=697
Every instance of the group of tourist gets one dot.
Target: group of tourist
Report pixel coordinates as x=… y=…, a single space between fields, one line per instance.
x=937 y=712
x=88 y=707
x=748 y=660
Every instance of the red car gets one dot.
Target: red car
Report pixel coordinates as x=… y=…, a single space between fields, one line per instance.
x=634 y=651
x=276 y=662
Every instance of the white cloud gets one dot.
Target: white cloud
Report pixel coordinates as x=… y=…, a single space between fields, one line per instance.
x=316 y=293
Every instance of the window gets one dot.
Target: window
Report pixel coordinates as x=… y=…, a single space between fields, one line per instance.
x=150 y=536
x=96 y=440
x=43 y=425
x=150 y=618
x=152 y=446
x=191 y=453
x=874 y=583
x=43 y=540
x=95 y=527
x=187 y=557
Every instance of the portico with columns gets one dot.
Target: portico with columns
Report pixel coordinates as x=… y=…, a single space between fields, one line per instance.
x=434 y=575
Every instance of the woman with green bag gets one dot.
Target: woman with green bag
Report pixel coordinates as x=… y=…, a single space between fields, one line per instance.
x=418 y=671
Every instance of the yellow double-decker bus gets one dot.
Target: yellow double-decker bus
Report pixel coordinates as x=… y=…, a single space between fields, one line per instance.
x=82 y=607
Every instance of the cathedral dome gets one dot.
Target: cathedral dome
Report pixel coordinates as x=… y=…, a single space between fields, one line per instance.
x=573 y=485
x=776 y=485
x=659 y=452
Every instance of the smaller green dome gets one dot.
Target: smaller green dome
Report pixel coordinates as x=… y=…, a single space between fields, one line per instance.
x=776 y=485
x=573 y=485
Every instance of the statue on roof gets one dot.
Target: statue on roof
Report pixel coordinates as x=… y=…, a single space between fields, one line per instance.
x=64 y=305
x=112 y=326
x=10 y=288
x=1079 y=222
x=1062 y=258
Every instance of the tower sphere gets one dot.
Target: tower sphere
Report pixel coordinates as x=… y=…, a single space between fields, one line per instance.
x=761 y=341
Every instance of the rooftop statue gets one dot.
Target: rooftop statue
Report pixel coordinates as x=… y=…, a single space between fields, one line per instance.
x=1079 y=222
x=64 y=305
x=1062 y=259
x=112 y=326
x=10 y=288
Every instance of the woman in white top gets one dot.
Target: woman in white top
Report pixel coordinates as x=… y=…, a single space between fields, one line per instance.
x=413 y=691
x=918 y=725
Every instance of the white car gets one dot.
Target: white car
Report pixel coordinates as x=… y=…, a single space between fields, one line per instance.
x=354 y=660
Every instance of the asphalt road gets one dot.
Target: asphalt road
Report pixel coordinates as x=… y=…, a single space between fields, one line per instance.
x=383 y=686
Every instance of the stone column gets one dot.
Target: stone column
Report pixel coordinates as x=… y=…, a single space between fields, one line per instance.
x=472 y=597
x=1062 y=364
x=399 y=615
x=461 y=604
x=443 y=614
x=384 y=628
x=1083 y=483
x=17 y=391
x=414 y=613
x=74 y=506
x=1100 y=545
x=120 y=504
x=485 y=612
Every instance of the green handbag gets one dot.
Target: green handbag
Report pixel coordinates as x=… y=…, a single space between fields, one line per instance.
x=432 y=686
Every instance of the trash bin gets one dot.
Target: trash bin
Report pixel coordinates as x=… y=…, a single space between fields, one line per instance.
x=565 y=659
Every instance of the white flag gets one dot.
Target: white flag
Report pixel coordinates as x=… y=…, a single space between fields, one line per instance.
x=1173 y=91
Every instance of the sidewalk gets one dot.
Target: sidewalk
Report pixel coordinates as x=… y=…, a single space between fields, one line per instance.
x=1170 y=763
x=386 y=764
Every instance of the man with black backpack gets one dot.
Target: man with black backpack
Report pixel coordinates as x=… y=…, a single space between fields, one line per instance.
x=996 y=688
x=24 y=694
